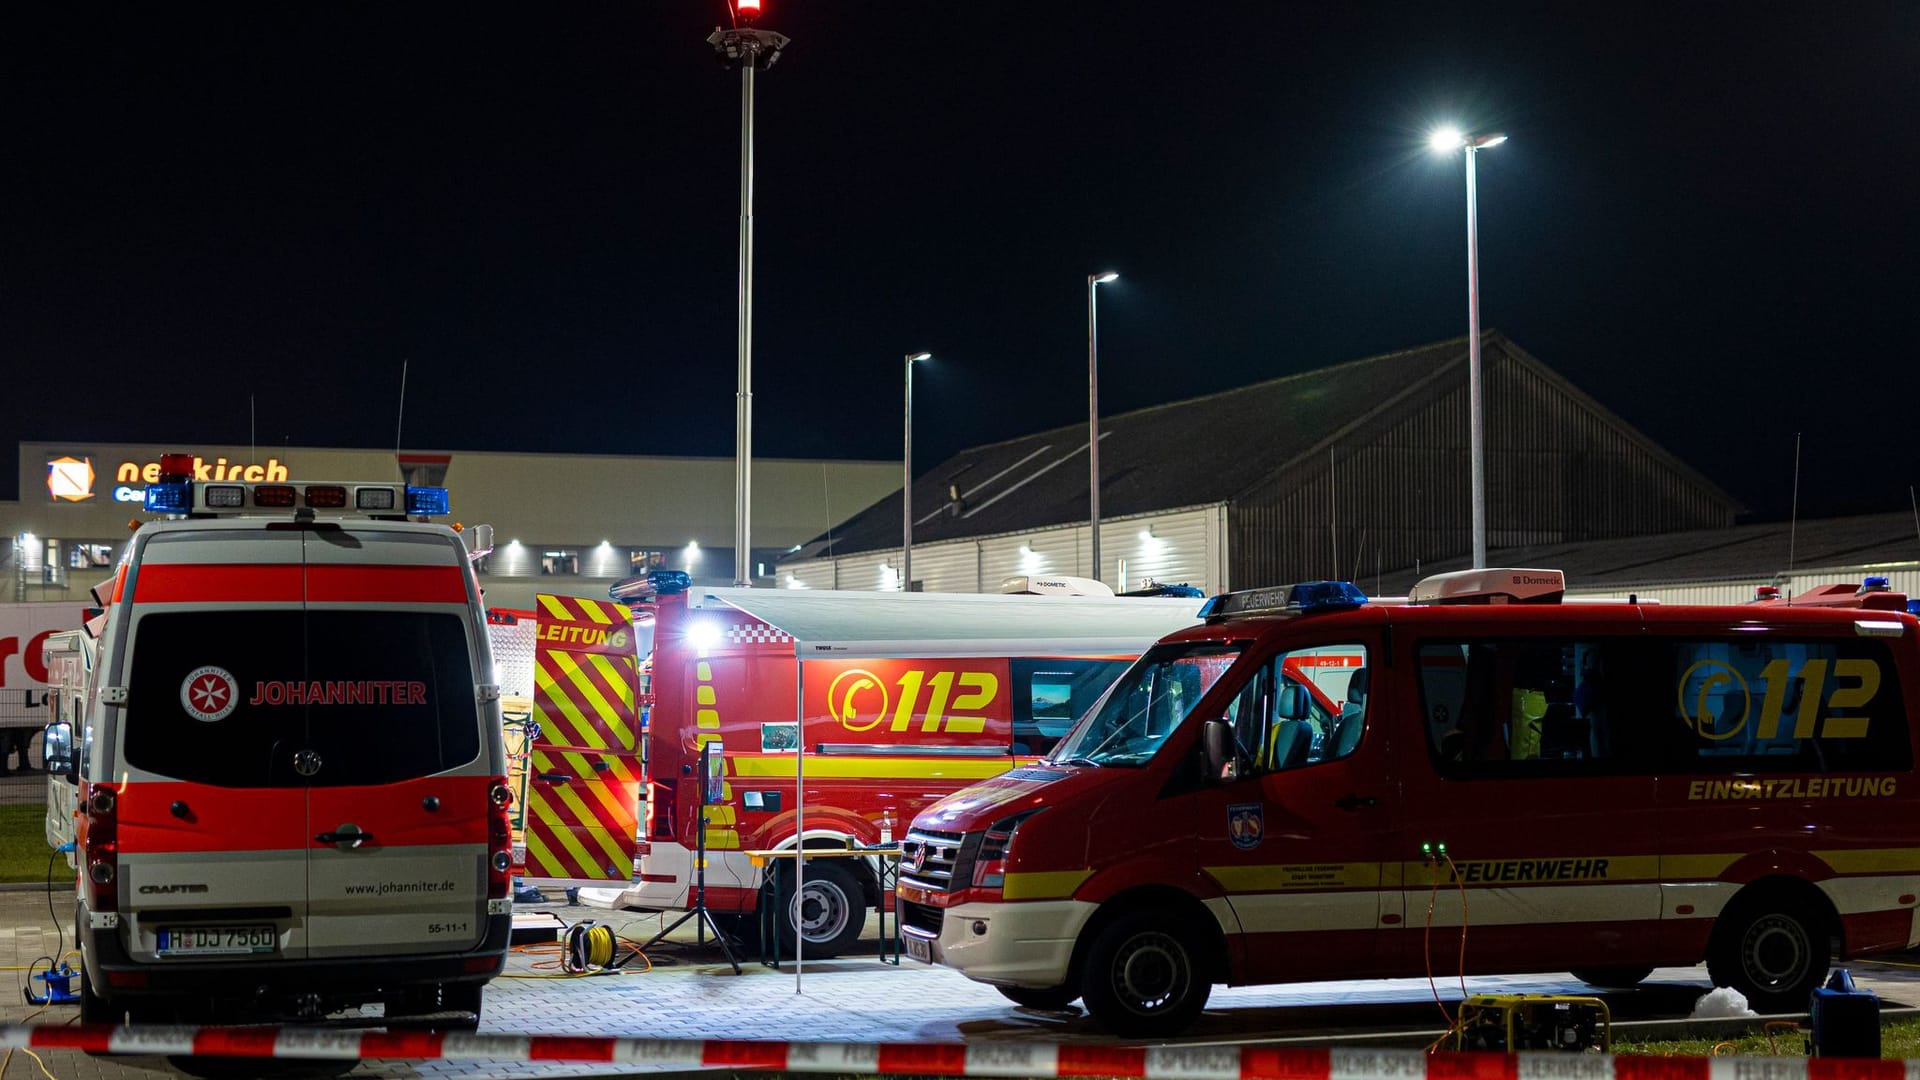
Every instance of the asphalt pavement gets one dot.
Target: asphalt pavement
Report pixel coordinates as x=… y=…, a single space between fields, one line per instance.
x=691 y=993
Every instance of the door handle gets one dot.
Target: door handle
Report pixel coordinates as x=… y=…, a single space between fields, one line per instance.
x=351 y=839
x=554 y=777
x=1355 y=802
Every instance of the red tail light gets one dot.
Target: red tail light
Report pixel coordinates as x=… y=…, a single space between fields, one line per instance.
x=326 y=496
x=102 y=865
x=273 y=495
x=176 y=467
x=499 y=840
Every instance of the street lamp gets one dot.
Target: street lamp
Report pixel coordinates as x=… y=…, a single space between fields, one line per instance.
x=906 y=487
x=1446 y=141
x=752 y=49
x=1094 y=281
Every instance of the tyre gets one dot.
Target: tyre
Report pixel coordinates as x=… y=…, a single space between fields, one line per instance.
x=830 y=912
x=1613 y=978
x=1772 y=948
x=1145 y=976
x=95 y=1009
x=1053 y=999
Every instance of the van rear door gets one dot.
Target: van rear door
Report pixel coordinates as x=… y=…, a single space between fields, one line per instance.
x=400 y=760
x=212 y=818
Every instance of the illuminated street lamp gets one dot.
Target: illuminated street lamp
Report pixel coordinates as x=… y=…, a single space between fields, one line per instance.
x=1094 y=281
x=906 y=488
x=1446 y=141
x=752 y=50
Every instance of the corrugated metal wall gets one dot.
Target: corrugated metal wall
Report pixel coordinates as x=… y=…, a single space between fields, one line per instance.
x=1904 y=577
x=1172 y=548
x=1398 y=492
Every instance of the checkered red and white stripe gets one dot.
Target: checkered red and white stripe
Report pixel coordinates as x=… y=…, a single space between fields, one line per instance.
x=941 y=1059
x=757 y=634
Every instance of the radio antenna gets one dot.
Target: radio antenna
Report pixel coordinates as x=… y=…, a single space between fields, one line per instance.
x=1793 y=521
x=250 y=430
x=401 y=419
x=1916 y=511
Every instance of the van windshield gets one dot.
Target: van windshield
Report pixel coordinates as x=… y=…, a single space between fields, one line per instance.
x=1147 y=705
x=229 y=697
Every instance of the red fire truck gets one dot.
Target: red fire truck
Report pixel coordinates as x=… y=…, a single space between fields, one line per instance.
x=1605 y=787
x=884 y=702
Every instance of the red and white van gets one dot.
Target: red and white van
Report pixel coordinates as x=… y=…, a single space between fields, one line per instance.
x=907 y=697
x=291 y=783
x=1614 y=787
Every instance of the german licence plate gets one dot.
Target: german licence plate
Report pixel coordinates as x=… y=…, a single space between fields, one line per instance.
x=919 y=948
x=218 y=940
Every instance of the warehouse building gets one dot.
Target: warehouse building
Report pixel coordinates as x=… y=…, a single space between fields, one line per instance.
x=1346 y=471
x=563 y=523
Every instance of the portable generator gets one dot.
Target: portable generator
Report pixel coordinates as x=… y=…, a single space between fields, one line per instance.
x=1509 y=1022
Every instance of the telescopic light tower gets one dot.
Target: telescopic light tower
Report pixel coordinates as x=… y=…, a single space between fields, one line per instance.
x=1094 y=281
x=906 y=485
x=751 y=49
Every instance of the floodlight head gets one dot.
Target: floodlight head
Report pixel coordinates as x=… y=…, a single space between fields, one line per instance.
x=914 y=358
x=1446 y=140
x=1102 y=279
x=1481 y=142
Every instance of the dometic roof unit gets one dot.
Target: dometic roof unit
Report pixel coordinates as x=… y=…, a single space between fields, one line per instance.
x=1503 y=585
x=1054 y=585
x=880 y=625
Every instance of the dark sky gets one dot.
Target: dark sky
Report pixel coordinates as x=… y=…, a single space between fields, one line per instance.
x=1708 y=217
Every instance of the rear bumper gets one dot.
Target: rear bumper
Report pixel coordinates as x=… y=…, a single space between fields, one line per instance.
x=113 y=973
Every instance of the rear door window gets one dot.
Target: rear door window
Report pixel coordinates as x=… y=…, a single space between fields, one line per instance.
x=389 y=696
x=228 y=697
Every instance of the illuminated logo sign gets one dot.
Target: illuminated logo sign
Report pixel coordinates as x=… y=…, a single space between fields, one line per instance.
x=273 y=472
x=70 y=479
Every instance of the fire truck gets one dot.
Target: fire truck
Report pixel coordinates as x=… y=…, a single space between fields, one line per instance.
x=1606 y=787
x=883 y=702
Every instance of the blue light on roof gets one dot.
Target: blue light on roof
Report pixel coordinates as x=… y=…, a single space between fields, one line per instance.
x=1305 y=598
x=669 y=581
x=1877 y=583
x=426 y=501
x=1913 y=607
x=169 y=498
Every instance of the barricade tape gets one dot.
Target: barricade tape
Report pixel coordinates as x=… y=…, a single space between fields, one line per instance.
x=1001 y=1059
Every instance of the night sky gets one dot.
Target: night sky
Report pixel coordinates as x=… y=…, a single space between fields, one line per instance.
x=1708 y=217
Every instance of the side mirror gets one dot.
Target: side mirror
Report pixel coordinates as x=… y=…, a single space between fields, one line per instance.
x=57 y=749
x=1223 y=755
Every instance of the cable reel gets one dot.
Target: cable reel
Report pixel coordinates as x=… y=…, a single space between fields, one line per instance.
x=588 y=947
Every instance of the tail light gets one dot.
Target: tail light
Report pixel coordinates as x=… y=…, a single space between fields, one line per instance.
x=326 y=496
x=273 y=495
x=660 y=810
x=499 y=840
x=102 y=850
x=990 y=862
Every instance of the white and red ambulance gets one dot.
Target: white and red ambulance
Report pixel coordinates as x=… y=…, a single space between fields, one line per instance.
x=1601 y=788
x=291 y=782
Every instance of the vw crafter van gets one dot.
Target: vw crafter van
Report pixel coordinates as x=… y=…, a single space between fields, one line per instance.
x=1601 y=788
x=292 y=794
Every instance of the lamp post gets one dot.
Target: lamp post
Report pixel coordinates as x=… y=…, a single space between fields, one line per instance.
x=1094 y=281
x=906 y=485
x=1446 y=141
x=752 y=49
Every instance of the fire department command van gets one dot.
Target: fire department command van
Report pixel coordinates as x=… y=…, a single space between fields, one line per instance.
x=1602 y=788
x=291 y=784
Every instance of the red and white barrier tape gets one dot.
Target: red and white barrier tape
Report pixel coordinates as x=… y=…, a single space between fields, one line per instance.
x=940 y=1059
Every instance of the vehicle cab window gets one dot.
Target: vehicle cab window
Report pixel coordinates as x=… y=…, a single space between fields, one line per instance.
x=1148 y=704
x=1317 y=710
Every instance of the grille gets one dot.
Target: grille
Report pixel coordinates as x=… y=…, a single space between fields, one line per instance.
x=928 y=859
x=921 y=917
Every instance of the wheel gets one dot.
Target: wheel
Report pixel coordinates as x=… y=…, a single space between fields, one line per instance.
x=1145 y=977
x=95 y=1009
x=1613 y=978
x=1053 y=998
x=1773 y=949
x=830 y=912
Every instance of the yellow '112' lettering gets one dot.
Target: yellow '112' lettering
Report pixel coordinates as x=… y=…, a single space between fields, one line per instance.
x=977 y=691
x=1813 y=678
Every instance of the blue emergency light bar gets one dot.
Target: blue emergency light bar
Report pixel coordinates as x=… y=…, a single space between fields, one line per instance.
x=1876 y=583
x=1304 y=598
x=427 y=501
x=174 y=497
x=669 y=581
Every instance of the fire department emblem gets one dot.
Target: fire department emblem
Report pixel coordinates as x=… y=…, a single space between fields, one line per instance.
x=1246 y=824
x=209 y=693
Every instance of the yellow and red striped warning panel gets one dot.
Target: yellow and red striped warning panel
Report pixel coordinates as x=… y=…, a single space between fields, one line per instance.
x=583 y=789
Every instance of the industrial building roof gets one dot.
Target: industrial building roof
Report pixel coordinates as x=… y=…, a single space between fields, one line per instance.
x=1197 y=452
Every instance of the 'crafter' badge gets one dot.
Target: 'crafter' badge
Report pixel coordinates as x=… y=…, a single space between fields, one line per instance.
x=209 y=693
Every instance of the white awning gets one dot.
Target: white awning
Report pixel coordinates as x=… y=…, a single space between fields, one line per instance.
x=828 y=625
